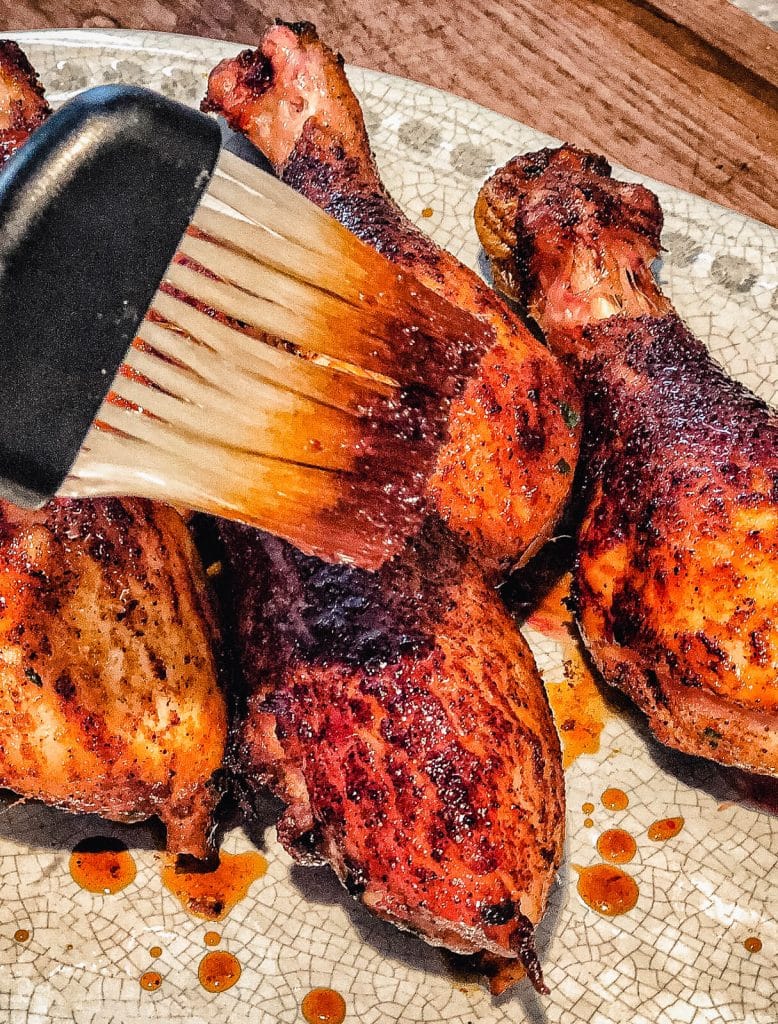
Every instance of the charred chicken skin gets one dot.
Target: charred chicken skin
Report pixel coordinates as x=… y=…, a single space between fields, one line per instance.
x=109 y=701
x=22 y=104
x=677 y=574
x=503 y=477
x=109 y=696
x=400 y=717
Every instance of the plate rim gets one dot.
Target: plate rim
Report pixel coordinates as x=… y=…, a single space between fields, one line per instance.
x=175 y=43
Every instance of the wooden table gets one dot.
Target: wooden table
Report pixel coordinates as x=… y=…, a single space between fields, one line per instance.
x=685 y=91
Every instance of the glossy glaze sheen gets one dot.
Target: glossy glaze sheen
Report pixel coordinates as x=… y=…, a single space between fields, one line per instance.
x=218 y=971
x=498 y=484
x=109 y=700
x=401 y=719
x=211 y=889
x=104 y=624
x=678 y=549
x=434 y=150
x=607 y=889
x=323 y=1006
x=102 y=864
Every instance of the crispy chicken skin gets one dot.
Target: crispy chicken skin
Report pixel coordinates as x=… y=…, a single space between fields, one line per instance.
x=109 y=694
x=400 y=717
x=109 y=700
x=677 y=575
x=22 y=103
x=503 y=478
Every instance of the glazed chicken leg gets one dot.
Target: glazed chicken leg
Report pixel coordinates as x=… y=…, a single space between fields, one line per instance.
x=504 y=476
x=23 y=105
x=400 y=717
x=677 y=574
x=109 y=697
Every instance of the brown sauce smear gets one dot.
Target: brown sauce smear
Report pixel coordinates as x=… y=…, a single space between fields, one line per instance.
x=615 y=800
x=102 y=864
x=209 y=890
x=616 y=846
x=21 y=935
x=212 y=938
x=324 y=1006
x=579 y=708
x=607 y=889
x=753 y=944
x=664 y=829
x=150 y=981
x=218 y=971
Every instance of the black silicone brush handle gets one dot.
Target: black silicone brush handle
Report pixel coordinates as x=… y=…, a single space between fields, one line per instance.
x=92 y=209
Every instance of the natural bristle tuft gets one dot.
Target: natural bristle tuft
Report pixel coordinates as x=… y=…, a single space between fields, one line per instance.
x=286 y=375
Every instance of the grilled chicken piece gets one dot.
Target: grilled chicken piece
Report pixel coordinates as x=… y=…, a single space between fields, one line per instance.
x=22 y=103
x=109 y=700
x=677 y=575
x=504 y=476
x=109 y=696
x=400 y=717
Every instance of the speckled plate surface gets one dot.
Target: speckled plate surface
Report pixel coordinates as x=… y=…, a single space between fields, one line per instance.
x=678 y=956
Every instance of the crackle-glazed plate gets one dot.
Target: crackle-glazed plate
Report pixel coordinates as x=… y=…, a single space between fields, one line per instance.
x=677 y=957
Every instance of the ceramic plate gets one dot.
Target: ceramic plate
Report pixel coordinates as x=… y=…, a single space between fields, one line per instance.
x=678 y=956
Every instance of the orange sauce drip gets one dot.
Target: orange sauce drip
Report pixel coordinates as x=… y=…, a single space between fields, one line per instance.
x=21 y=935
x=615 y=800
x=324 y=1006
x=155 y=951
x=753 y=944
x=616 y=846
x=102 y=864
x=579 y=708
x=211 y=892
x=150 y=981
x=665 y=828
x=588 y=823
x=218 y=971
x=427 y=211
x=587 y=808
x=212 y=938
x=607 y=889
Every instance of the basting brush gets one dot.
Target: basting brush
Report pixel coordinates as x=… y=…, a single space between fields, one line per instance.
x=177 y=324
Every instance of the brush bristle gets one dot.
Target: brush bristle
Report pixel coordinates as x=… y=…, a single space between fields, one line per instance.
x=286 y=375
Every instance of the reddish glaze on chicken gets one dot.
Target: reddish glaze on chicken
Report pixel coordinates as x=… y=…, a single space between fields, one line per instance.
x=22 y=104
x=109 y=694
x=400 y=717
x=677 y=575
x=504 y=476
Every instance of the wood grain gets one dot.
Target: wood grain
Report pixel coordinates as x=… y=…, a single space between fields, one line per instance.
x=684 y=91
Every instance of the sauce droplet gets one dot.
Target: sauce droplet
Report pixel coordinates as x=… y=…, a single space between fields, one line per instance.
x=577 y=703
x=427 y=211
x=212 y=938
x=150 y=981
x=617 y=846
x=102 y=864
x=587 y=808
x=606 y=889
x=324 y=1006
x=210 y=890
x=665 y=828
x=615 y=800
x=753 y=944
x=155 y=951
x=218 y=971
x=21 y=935
x=588 y=823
